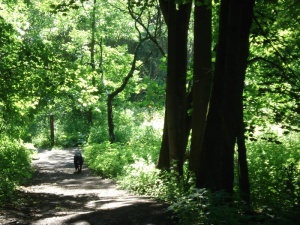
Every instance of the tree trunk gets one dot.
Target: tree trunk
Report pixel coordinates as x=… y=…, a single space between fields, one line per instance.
x=247 y=11
x=222 y=127
x=51 y=130
x=110 y=119
x=164 y=159
x=202 y=80
x=92 y=53
x=177 y=21
x=111 y=96
x=209 y=169
x=242 y=163
x=240 y=19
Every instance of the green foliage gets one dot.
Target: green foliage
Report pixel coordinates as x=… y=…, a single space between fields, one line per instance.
x=15 y=167
x=274 y=176
x=272 y=84
x=141 y=177
x=192 y=207
x=107 y=159
x=71 y=129
x=110 y=160
x=274 y=171
x=46 y=67
x=41 y=140
x=175 y=186
x=98 y=134
x=10 y=79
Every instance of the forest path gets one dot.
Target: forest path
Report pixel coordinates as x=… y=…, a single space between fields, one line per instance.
x=58 y=195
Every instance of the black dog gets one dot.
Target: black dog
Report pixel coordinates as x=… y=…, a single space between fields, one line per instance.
x=78 y=161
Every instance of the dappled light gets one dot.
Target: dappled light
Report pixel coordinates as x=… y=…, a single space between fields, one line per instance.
x=186 y=112
x=58 y=195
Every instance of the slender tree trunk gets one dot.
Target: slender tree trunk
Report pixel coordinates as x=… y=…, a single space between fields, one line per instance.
x=92 y=55
x=230 y=85
x=111 y=96
x=51 y=130
x=110 y=119
x=202 y=80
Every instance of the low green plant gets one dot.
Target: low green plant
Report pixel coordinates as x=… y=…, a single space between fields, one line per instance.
x=107 y=159
x=97 y=135
x=274 y=176
x=175 y=186
x=41 y=140
x=15 y=167
x=274 y=171
x=191 y=207
x=141 y=177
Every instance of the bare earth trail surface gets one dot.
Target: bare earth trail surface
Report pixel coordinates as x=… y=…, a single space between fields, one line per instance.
x=57 y=195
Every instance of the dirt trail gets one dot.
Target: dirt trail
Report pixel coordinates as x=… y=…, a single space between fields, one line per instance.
x=57 y=195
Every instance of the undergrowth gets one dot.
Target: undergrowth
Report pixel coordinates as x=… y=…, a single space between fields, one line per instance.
x=273 y=170
x=110 y=159
x=15 y=167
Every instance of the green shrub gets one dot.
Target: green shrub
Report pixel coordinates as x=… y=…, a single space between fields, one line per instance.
x=41 y=140
x=107 y=159
x=141 y=177
x=192 y=207
x=175 y=186
x=274 y=171
x=15 y=167
x=189 y=204
x=97 y=135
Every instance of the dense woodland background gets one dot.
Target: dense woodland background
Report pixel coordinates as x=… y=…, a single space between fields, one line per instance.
x=195 y=103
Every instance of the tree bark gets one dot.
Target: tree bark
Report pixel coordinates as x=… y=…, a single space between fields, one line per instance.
x=209 y=174
x=242 y=163
x=92 y=53
x=202 y=80
x=110 y=119
x=164 y=159
x=177 y=20
x=247 y=11
x=222 y=127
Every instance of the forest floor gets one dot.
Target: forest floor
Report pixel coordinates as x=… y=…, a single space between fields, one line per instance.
x=58 y=195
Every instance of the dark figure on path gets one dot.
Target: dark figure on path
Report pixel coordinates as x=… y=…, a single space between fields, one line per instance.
x=78 y=161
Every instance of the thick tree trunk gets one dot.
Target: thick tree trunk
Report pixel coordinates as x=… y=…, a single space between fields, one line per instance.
x=178 y=22
x=231 y=82
x=247 y=13
x=209 y=174
x=222 y=127
x=240 y=19
x=164 y=159
x=202 y=81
